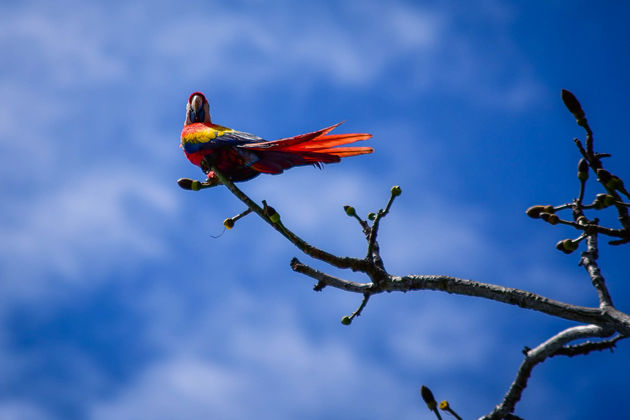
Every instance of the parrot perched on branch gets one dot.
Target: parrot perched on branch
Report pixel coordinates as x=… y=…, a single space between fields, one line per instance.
x=243 y=156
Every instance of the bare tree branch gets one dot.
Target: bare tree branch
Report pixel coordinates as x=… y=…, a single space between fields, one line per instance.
x=329 y=280
x=524 y=299
x=538 y=355
x=588 y=346
x=354 y=264
x=589 y=261
x=594 y=228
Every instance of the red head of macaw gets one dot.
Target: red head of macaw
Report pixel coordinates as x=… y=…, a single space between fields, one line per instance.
x=242 y=156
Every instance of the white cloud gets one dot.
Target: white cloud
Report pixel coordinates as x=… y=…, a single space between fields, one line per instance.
x=430 y=237
x=83 y=226
x=24 y=144
x=66 y=48
x=436 y=341
x=240 y=50
x=20 y=410
x=254 y=48
x=522 y=93
x=185 y=387
x=250 y=357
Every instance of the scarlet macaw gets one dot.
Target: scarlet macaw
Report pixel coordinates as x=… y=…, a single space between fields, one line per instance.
x=243 y=156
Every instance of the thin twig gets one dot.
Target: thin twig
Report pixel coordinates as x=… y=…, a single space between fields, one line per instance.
x=328 y=280
x=595 y=163
x=354 y=264
x=563 y=206
x=364 y=225
x=373 y=251
x=588 y=346
x=589 y=261
x=539 y=355
x=366 y=297
x=591 y=227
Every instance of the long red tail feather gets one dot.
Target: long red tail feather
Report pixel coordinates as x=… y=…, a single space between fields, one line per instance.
x=326 y=142
x=291 y=141
x=310 y=148
x=317 y=141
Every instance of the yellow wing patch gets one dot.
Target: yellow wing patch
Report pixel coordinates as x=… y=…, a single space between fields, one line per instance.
x=203 y=133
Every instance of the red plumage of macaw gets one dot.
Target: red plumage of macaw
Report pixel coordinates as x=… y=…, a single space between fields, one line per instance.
x=242 y=156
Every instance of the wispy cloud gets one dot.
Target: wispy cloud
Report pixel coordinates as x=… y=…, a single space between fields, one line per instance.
x=186 y=387
x=435 y=343
x=265 y=368
x=243 y=50
x=225 y=49
x=258 y=48
x=21 y=410
x=84 y=226
x=46 y=44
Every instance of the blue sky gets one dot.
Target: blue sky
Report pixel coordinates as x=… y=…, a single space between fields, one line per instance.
x=115 y=300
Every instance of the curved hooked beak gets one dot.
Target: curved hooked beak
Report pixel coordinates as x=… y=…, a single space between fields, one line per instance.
x=196 y=111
